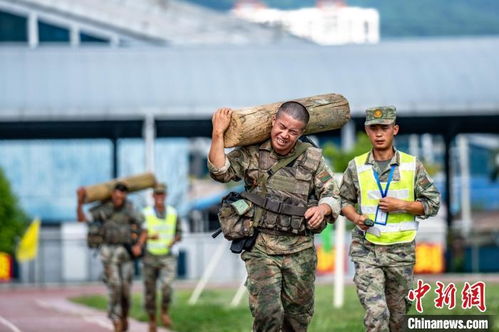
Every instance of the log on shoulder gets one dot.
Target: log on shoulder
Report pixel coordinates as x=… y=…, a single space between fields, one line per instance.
x=102 y=191
x=252 y=125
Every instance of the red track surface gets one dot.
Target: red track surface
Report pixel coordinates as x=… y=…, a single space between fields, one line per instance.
x=48 y=310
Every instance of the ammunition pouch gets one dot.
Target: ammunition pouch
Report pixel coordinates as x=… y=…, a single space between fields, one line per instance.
x=95 y=237
x=236 y=217
x=280 y=215
x=275 y=204
x=116 y=233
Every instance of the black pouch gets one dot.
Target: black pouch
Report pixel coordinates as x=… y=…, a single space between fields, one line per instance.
x=245 y=243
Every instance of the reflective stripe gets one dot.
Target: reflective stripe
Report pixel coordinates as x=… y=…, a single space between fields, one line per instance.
x=390 y=238
x=363 y=168
x=155 y=245
x=408 y=167
x=400 y=227
x=368 y=209
x=400 y=194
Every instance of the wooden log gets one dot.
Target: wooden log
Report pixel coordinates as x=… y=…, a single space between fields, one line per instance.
x=102 y=191
x=252 y=125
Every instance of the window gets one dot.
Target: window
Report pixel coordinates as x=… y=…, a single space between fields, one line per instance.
x=13 y=28
x=88 y=38
x=52 y=33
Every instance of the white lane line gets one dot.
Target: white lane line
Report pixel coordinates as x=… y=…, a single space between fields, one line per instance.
x=101 y=321
x=9 y=324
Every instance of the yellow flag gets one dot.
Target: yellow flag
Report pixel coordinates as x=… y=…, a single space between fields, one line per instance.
x=28 y=247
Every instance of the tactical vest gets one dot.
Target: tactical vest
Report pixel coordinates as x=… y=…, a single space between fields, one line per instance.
x=288 y=189
x=164 y=227
x=400 y=227
x=115 y=224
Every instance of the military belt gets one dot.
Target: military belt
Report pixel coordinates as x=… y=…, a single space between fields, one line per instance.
x=274 y=205
x=272 y=231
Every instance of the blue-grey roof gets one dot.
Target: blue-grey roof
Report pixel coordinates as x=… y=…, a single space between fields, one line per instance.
x=420 y=77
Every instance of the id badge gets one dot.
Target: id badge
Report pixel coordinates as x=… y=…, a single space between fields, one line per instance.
x=381 y=217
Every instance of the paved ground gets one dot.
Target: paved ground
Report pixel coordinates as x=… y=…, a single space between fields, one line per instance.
x=46 y=308
x=29 y=309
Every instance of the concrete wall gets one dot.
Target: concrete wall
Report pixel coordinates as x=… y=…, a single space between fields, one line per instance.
x=63 y=257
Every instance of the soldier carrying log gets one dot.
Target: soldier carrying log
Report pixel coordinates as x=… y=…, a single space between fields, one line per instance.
x=289 y=195
x=118 y=223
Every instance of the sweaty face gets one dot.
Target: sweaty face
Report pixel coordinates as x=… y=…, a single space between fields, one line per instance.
x=381 y=135
x=285 y=132
x=118 y=197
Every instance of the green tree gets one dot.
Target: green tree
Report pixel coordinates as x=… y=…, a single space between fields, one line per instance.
x=339 y=159
x=13 y=221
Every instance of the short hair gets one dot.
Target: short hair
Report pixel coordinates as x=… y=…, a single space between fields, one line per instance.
x=121 y=187
x=294 y=109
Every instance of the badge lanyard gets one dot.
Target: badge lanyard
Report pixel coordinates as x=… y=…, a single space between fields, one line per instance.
x=382 y=217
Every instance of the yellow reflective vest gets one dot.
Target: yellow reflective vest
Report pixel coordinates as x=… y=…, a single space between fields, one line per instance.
x=164 y=227
x=400 y=227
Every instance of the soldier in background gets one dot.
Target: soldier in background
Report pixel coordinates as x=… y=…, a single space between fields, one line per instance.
x=119 y=221
x=162 y=225
x=281 y=265
x=390 y=188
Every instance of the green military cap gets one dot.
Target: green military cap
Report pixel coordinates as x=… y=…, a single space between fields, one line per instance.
x=160 y=188
x=380 y=115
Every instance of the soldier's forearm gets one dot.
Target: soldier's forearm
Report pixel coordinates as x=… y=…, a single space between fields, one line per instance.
x=217 y=153
x=142 y=238
x=80 y=214
x=350 y=213
x=415 y=208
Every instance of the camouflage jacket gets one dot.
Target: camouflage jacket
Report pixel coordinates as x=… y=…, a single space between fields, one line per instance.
x=117 y=224
x=425 y=190
x=243 y=164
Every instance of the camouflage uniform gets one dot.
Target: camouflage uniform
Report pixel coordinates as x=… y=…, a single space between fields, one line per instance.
x=116 y=261
x=162 y=268
x=281 y=267
x=384 y=273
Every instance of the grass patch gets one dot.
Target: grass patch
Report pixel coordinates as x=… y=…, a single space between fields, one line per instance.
x=213 y=314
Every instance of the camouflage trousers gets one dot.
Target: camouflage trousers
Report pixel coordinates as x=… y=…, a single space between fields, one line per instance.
x=281 y=289
x=164 y=269
x=383 y=277
x=118 y=273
